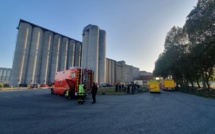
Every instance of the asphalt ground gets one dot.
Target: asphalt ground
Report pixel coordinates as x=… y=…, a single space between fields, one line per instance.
x=38 y=112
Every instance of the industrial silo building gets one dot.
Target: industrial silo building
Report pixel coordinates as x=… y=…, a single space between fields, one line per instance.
x=5 y=75
x=40 y=53
x=94 y=52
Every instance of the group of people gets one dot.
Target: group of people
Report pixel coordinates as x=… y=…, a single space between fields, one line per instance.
x=130 y=88
x=81 y=93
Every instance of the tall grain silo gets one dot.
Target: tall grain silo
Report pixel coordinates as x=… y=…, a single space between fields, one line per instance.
x=90 y=46
x=55 y=57
x=64 y=54
x=78 y=52
x=71 y=54
x=20 y=61
x=102 y=57
x=94 y=52
x=34 y=56
x=46 y=60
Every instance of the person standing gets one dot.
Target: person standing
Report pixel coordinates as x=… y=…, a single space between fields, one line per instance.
x=94 y=92
x=132 y=88
x=116 y=87
x=81 y=94
x=128 y=88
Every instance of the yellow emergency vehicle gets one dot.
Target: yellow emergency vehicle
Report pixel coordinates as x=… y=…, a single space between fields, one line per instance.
x=154 y=86
x=169 y=85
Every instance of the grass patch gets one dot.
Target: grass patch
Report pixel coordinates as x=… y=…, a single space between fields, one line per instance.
x=111 y=91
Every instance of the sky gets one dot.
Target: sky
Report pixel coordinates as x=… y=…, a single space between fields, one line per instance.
x=135 y=29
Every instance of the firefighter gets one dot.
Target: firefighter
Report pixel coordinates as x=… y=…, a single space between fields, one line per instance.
x=81 y=94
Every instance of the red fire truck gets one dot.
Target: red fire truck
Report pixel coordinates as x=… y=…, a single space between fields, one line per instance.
x=67 y=81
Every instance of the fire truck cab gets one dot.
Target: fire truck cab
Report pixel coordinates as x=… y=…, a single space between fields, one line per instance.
x=67 y=81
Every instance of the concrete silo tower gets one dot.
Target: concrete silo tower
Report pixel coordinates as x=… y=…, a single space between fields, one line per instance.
x=102 y=57
x=94 y=51
x=22 y=49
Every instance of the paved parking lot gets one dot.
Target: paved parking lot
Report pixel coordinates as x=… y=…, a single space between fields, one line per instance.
x=38 y=112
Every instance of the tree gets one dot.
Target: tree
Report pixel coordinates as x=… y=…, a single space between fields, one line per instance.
x=190 y=51
x=200 y=26
x=169 y=62
x=200 y=23
x=160 y=67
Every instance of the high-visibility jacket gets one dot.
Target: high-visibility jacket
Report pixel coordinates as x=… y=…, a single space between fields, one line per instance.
x=81 y=90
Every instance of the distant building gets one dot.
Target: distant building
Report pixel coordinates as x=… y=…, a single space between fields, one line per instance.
x=146 y=76
x=110 y=71
x=120 y=72
x=5 y=75
x=126 y=73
